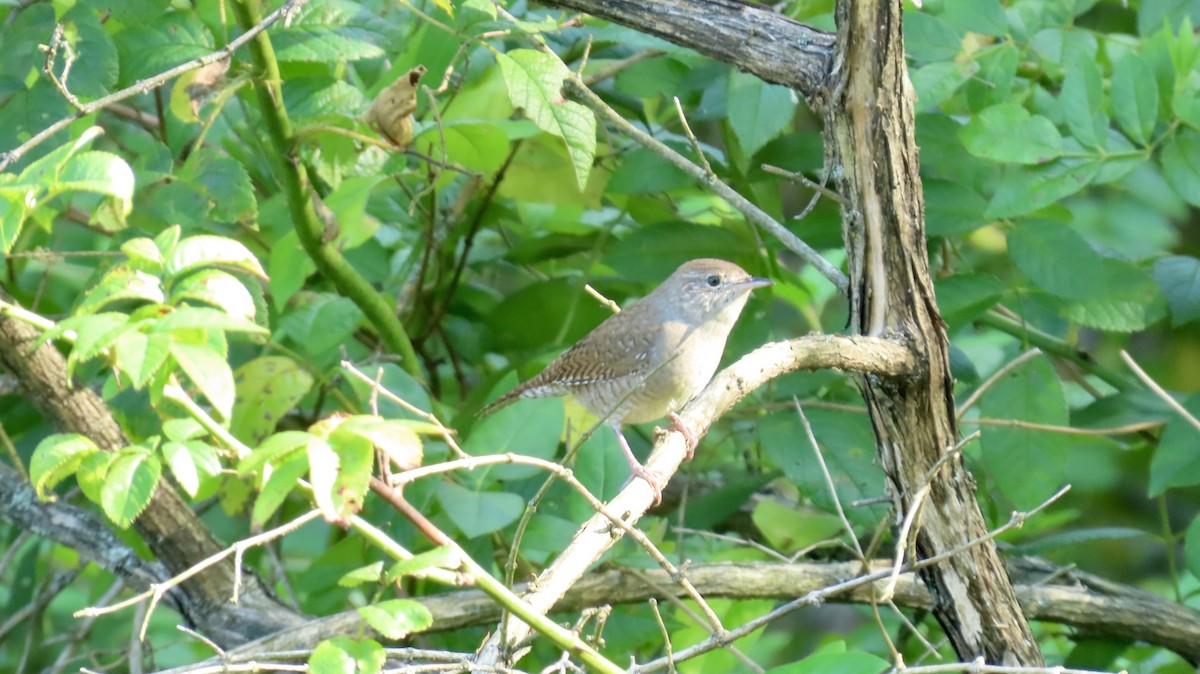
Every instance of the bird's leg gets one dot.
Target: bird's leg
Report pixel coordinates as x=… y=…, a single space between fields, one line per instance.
x=689 y=436
x=635 y=467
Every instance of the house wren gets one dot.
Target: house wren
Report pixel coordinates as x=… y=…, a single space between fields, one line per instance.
x=647 y=361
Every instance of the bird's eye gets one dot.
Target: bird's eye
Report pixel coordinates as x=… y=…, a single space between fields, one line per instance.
x=713 y=281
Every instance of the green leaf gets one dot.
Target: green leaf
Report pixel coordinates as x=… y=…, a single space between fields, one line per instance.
x=56 y=458
x=282 y=482
x=355 y=459
x=441 y=557
x=342 y=655
x=203 y=318
x=395 y=438
x=397 y=618
x=1135 y=97
x=1191 y=547
x=129 y=484
x=349 y=203
x=757 y=111
x=99 y=172
x=1063 y=263
x=363 y=575
x=937 y=81
x=210 y=251
x=216 y=288
x=290 y=266
x=476 y=513
x=267 y=388
x=322 y=325
x=1179 y=278
x=91 y=473
x=985 y=17
x=121 y=283
x=1082 y=101
x=535 y=82
x=928 y=38
x=1176 y=462
x=143 y=254
x=210 y=372
x=1024 y=190
x=1026 y=465
x=273 y=449
x=531 y=427
x=150 y=48
x=790 y=529
x=140 y=356
x=962 y=297
x=179 y=460
x=1008 y=133
x=1180 y=159
x=323 y=473
x=952 y=208
x=333 y=31
x=1115 y=314
x=474 y=144
x=652 y=252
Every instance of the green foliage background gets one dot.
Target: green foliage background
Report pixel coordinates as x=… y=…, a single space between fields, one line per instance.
x=1060 y=150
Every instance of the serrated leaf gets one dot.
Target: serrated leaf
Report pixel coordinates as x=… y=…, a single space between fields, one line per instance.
x=397 y=618
x=952 y=208
x=476 y=513
x=331 y=31
x=1179 y=278
x=392 y=437
x=962 y=297
x=99 y=172
x=121 y=283
x=150 y=48
x=1117 y=315
x=323 y=468
x=203 y=318
x=91 y=473
x=267 y=388
x=209 y=251
x=1082 y=101
x=277 y=487
x=1180 y=159
x=341 y=655
x=179 y=460
x=210 y=372
x=1135 y=97
x=363 y=575
x=1024 y=190
x=217 y=288
x=1008 y=133
x=273 y=449
x=128 y=485
x=140 y=356
x=1037 y=248
x=56 y=458
x=441 y=557
x=757 y=111
x=535 y=84
x=143 y=255
x=854 y=662
x=937 y=81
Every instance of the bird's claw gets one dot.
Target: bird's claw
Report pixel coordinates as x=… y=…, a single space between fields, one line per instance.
x=689 y=437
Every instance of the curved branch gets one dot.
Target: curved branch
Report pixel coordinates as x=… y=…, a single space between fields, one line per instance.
x=859 y=354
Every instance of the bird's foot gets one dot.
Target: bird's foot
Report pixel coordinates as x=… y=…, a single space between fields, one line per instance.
x=656 y=481
x=689 y=436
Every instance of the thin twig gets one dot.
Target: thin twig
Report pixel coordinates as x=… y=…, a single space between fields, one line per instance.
x=1159 y=391
x=148 y=84
x=991 y=381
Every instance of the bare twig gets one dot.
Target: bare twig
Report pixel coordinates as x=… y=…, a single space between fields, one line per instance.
x=1159 y=391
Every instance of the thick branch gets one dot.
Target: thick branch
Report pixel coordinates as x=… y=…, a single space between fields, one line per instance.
x=597 y=535
x=1082 y=601
x=751 y=37
x=172 y=531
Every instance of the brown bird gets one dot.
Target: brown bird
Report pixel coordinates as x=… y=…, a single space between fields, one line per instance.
x=652 y=358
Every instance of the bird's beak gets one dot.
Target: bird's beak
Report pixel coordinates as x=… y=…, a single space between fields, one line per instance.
x=757 y=282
